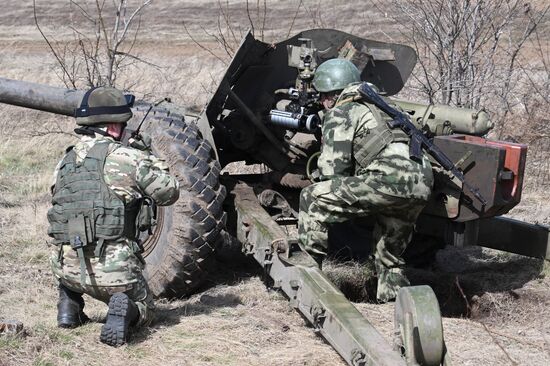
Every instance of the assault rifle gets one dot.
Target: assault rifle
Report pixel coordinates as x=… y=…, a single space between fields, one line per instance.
x=418 y=140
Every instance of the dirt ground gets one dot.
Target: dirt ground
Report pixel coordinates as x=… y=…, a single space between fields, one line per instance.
x=496 y=305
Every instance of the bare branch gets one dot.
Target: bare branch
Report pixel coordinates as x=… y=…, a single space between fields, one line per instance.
x=134 y=40
x=134 y=57
x=220 y=38
x=200 y=45
x=128 y=22
x=262 y=31
x=512 y=362
x=101 y=22
x=227 y=20
x=294 y=18
x=83 y=11
x=59 y=60
x=250 y=21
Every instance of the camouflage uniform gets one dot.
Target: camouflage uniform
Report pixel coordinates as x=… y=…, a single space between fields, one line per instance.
x=391 y=187
x=130 y=174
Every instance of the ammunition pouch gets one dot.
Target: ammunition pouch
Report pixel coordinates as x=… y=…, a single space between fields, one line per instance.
x=146 y=218
x=80 y=236
x=80 y=231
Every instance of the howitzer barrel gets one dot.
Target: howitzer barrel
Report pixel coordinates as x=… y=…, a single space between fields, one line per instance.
x=39 y=96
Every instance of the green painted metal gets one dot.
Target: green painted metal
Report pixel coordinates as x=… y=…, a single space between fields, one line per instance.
x=438 y=116
x=309 y=290
x=418 y=321
x=38 y=96
x=335 y=74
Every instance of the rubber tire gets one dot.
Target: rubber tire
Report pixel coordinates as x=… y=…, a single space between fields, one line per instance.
x=181 y=250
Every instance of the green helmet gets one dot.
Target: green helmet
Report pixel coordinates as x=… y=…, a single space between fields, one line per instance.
x=104 y=105
x=335 y=74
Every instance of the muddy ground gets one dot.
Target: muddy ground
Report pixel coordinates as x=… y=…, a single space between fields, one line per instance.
x=495 y=304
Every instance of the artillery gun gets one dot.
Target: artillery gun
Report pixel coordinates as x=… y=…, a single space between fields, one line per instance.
x=264 y=111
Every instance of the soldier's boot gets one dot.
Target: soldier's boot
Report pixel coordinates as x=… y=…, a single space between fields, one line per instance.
x=122 y=314
x=389 y=283
x=70 y=309
x=316 y=251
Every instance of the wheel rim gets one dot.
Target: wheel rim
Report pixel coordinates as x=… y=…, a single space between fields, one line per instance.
x=427 y=328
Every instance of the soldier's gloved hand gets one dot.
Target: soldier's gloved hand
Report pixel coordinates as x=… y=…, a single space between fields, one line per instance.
x=141 y=142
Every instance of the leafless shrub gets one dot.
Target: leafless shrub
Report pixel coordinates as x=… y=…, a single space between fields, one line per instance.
x=222 y=39
x=104 y=36
x=527 y=119
x=471 y=53
x=484 y=54
x=230 y=29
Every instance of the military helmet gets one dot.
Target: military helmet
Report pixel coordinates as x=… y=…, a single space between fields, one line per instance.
x=335 y=74
x=104 y=105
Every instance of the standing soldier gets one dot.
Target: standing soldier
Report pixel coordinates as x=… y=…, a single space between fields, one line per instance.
x=365 y=170
x=102 y=197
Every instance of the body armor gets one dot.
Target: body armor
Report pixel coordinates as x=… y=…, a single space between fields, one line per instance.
x=86 y=212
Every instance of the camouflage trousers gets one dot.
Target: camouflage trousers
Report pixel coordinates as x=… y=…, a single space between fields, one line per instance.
x=394 y=191
x=117 y=270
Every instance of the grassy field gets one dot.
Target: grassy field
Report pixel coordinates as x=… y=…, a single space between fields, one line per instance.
x=502 y=319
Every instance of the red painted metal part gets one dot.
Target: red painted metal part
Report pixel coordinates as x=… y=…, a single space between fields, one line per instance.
x=514 y=162
x=495 y=167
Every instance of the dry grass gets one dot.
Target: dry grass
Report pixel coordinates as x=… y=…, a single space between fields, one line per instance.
x=355 y=279
x=234 y=320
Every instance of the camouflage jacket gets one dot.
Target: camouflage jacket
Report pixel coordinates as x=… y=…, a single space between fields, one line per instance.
x=343 y=129
x=131 y=173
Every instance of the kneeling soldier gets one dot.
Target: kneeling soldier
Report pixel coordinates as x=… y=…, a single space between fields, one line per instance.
x=365 y=171
x=102 y=193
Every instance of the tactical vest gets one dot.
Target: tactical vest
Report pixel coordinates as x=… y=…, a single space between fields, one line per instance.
x=368 y=145
x=85 y=210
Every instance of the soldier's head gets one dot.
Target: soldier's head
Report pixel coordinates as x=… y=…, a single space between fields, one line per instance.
x=106 y=108
x=332 y=76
